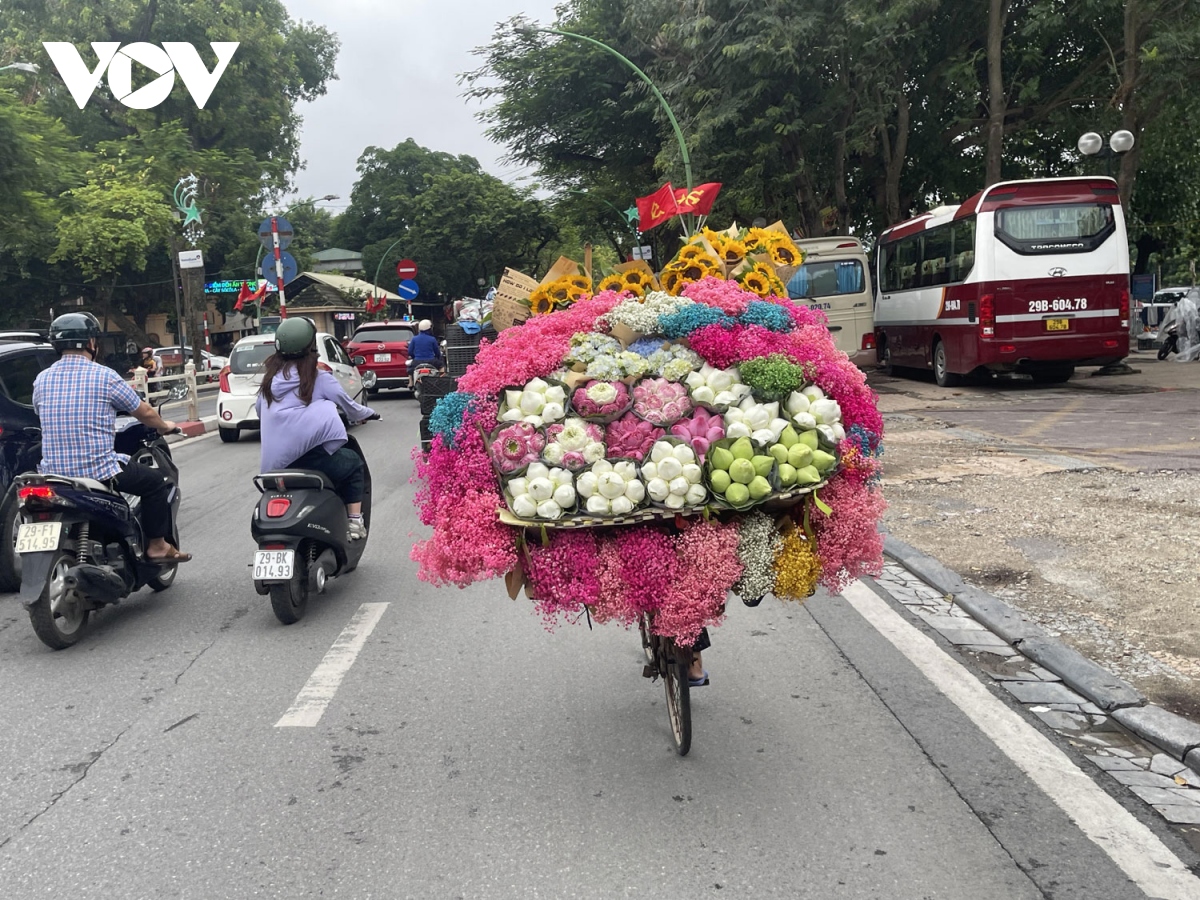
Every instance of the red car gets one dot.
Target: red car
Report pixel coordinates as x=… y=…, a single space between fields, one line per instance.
x=384 y=347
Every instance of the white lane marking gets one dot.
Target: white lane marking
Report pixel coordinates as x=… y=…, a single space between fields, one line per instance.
x=310 y=703
x=1130 y=844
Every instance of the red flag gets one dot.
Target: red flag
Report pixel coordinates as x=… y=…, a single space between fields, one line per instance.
x=243 y=295
x=656 y=208
x=699 y=199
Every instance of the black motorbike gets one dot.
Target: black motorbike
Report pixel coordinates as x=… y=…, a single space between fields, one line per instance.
x=81 y=544
x=300 y=528
x=1168 y=331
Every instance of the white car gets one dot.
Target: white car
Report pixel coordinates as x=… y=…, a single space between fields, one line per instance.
x=242 y=378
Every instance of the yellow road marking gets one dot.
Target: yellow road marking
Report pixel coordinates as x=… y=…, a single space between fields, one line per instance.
x=1053 y=419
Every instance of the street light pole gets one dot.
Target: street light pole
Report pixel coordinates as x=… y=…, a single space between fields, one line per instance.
x=278 y=261
x=383 y=256
x=683 y=150
x=637 y=236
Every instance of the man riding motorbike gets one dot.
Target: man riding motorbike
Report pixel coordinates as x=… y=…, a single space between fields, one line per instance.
x=298 y=414
x=424 y=347
x=77 y=400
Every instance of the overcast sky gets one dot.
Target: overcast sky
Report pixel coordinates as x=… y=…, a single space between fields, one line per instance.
x=398 y=70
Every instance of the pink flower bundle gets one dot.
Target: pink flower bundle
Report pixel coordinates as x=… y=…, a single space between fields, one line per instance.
x=701 y=430
x=600 y=399
x=564 y=575
x=660 y=401
x=630 y=437
x=848 y=540
x=706 y=567
x=727 y=296
x=515 y=446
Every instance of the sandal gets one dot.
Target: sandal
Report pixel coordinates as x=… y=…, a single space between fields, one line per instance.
x=175 y=556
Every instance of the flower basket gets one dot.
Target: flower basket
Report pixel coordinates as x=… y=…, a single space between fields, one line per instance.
x=594 y=475
x=507 y=394
x=652 y=470
x=579 y=449
x=528 y=505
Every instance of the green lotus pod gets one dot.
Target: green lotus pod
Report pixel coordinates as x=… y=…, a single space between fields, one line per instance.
x=807 y=475
x=720 y=480
x=742 y=471
x=738 y=494
x=763 y=465
x=759 y=488
x=779 y=452
x=742 y=448
x=800 y=455
x=809 y=439
x=787 y=474
x=823 y=461
x=721 y=458
x=788 y=437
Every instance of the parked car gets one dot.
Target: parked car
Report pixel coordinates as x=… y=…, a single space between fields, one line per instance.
x=241 y=379
x=210 y=367
x=383 y=347
x=22 y=357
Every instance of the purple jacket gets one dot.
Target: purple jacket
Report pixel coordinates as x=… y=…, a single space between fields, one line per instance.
x=290 y=429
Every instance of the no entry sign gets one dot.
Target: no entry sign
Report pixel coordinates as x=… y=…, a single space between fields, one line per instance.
x=406 y=269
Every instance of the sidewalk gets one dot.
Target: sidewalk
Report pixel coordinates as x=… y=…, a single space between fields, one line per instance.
x=1153 y=752
x=1151 y=374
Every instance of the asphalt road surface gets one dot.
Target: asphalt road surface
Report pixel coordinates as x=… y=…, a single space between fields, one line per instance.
x=460 y=751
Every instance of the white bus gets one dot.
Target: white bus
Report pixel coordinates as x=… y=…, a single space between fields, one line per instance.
x=1026 y=276
x=836 y=278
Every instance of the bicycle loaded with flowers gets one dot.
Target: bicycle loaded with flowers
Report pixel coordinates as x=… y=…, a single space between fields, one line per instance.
x=656 y=444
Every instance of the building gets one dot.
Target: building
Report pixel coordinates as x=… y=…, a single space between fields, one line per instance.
x=335 y=302
x=335 y=259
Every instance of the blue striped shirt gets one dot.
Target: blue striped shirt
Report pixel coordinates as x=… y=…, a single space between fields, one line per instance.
x=77 y=401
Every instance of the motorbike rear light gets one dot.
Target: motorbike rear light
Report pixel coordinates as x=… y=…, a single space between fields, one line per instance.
x=987 y=315
x=272 y=546
x=39 y=491
x=224 y=379
x=277 y=506
x=1124 y=309
x=868 y=341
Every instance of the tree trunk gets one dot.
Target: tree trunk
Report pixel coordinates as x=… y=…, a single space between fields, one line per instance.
x=997 y=102
x=895 y=164
x=127 y=325
x=841 y=204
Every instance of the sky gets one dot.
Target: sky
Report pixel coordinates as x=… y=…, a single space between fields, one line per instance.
x=397 y=79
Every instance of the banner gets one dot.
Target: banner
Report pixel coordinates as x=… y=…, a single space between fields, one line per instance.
x=656 y=208
x=699 y=199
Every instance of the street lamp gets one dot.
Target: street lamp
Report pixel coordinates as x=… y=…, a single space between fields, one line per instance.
x=31 y=68
x=1092 y=144
x=683 y=150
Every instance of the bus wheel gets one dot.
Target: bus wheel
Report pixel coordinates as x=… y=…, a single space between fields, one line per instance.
x=885 y=363
x=941 y=371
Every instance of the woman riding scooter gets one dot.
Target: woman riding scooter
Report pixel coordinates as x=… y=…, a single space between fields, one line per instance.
x=298 y=407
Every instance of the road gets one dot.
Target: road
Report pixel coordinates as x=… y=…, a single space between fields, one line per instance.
x=466 y=753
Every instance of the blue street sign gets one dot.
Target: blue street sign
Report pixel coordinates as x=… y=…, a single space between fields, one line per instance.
x=408 y=289
x=290 y=270
x=285 y=233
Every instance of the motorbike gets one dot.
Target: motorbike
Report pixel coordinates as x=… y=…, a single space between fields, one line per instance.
x=1168 y=331
x=418 y=371
x=81 y=543
x=299 y=526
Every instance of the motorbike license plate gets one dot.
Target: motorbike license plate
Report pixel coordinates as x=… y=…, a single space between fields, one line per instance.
x=273 y=565
x=383 y=357
x=1058 y=324
x=38 y=537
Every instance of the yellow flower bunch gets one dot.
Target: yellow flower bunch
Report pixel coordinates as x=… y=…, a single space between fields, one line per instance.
x=691 y=265
x=560 y=293
x=634 y=281
x=762 y=280
x=776 y=244
x=797 y=568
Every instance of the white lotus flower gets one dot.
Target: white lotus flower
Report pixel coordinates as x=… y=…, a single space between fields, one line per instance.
x=598 y=505
x=593 y=452
x=737 y=430
x=516 y=487
x=621 y=506
x=826 y=411
x=797 y=403
x=674 y=501
x=635 y=491
x=695 y=495
x=548 y=509
x=692 y=473
x=524 y=506
x=564 y=496
x=695 y=380
x=757 y=418
x=839 y=431
x=805 y=421
x=684 y=453
x=777 y=426
x=813 y=393
x=720 y=381
x=649 y=470
x=660 y=451
x=541 y=489
x=602 y=466
x=611 y=485
x=512 y=415
x=658 y=489
x=556 y=394
x=512 y=398
x=537 y=385
x=552 y=412
x=535 y=421
x=724 y=398
x=733 y=414
x=602 y=393
x=679 y=486
x=532 y=402
x=763 y=436
x=586 y=484
x=670 y=468
x=574 y=435
x=537 y=470
x=704 y=394
x=554 y=452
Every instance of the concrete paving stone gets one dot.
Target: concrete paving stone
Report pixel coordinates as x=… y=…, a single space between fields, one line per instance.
x=1165 y=796
x=923 y=565
x=1064 y=721
x=1166 y=765
x=1103 y=723
x=1041 y=692
x=1092 y=709
x=998 y=616
x=1112 y=763
x=1045 y=674
x=994 y=649
x=1179 y=815
x=941 y=620
x=1068 y=707
x=1193 y=760
x=1174 y=734
x=978 y=637
x=1099 y=685
x=1143 y=761
x=1143 y=779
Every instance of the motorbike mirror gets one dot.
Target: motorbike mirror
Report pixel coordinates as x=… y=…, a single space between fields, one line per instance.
x=359 y=360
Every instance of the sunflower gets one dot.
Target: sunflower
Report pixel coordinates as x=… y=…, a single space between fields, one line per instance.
x=559 y=291
x=672 y=280
x=785 y=253
x=540 y=302
x=756 y=283
x=733 y=252
x=635 y=278
x=762 y=239
x=612 y=283
x=691 y=251
x=580 y=281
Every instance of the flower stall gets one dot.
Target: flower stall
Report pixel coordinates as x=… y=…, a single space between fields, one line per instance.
x=656 y=442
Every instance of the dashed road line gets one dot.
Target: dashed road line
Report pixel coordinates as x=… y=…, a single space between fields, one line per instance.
x=322 y=685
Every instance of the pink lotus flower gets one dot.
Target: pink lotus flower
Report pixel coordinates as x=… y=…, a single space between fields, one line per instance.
x=516 y=446
x=660 y=401
x=630 y=437
x=598 y=399
x=701 y=430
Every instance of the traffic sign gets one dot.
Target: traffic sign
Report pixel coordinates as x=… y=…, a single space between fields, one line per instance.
x=285 y=233
x=406 y=269
x=290 y=270
x=408 y=289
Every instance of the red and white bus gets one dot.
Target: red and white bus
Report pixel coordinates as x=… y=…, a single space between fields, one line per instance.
x=1026 y=276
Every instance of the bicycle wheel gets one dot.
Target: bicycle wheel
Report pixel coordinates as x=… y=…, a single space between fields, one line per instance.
x=679 y=704
x=647 y=644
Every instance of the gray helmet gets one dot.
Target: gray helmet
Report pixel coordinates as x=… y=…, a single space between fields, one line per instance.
x=73 y=331
x=295 y=337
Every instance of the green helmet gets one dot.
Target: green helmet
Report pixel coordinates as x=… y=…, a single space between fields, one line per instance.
x=295 y=337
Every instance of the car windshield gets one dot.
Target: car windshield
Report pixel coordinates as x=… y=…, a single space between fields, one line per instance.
x=249 y=358
x=382 y=335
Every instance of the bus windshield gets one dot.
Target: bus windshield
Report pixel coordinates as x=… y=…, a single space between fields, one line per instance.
x=826 y=279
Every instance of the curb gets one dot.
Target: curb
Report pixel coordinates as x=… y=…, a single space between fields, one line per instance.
x=194 y=429
x=1175 y=735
